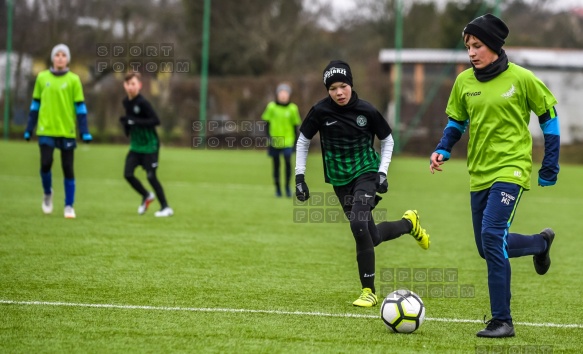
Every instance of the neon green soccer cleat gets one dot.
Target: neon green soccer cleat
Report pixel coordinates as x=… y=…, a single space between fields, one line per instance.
x=366 y=299
x=420 y=235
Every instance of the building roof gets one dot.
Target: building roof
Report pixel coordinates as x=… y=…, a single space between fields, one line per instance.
x=530 y=57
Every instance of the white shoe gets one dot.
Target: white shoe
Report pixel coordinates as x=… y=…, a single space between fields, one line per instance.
x=70 y=212
x=146 y=203
x=164 y=212
x=47 y=204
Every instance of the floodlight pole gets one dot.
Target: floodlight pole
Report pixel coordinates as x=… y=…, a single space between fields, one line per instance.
x=8 y=53
x=497 y=8
x=398 y=70
x=204 y=66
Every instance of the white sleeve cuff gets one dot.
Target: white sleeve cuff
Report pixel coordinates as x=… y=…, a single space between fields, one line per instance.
x=302 y=147
x=386 y=153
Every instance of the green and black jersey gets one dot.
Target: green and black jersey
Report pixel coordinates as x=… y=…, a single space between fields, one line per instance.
x=143 y=136
x=347 y=137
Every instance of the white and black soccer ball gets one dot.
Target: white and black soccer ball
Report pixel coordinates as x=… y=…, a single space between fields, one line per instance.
x=403 y=311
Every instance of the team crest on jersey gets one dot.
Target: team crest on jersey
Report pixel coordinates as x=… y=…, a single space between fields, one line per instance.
x=361 y=121
x=509 y=93
x=137 y=109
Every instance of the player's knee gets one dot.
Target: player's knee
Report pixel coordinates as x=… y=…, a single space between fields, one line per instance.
x=359 y=227
x=492 y=241
x=69 y=174
x=481 y=252
x=45 y=165
x=151 y=175
x=45 y=168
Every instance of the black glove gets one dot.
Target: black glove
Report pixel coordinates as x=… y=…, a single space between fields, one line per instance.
x=382 y=183
x=302 y=191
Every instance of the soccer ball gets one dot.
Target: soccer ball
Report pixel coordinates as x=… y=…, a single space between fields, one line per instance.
x=403 y=311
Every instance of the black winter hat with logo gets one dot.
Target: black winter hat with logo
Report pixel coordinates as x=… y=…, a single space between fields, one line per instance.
x=337 y=71
x=491 y=30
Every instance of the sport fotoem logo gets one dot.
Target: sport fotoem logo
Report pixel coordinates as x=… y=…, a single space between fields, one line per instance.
x=232 y=134
x=326 y=208
x=426 y=282
x=138 y=57
x=514 y=349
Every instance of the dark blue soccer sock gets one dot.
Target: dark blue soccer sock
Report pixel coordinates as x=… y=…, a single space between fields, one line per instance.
x=47 y=181
x=69 y=191
x=522 y=245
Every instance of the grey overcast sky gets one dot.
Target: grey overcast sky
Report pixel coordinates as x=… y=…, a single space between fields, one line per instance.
x=349 y=5
x=346 y=8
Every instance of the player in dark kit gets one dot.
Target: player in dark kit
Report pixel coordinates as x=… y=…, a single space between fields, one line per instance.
x=140 y=124
x=347 y=127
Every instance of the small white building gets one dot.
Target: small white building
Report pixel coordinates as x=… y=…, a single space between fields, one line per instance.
x=560 y=69
x=25 y=71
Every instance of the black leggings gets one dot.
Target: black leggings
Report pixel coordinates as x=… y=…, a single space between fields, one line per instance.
x=366 y=233
x=46 y=160
x=149 y=162
x=276 y=169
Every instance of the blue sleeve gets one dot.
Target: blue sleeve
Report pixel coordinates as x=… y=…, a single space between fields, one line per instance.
x=81 y=111
x=549 y=123
x=451 y=135
x=33 y=115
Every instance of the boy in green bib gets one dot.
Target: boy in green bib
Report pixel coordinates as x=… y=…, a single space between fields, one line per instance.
x=58 y=107
x=493 y=100
x=283 y=118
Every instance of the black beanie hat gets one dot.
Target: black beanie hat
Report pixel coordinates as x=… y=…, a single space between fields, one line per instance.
x=337 y=71
x=491 y=30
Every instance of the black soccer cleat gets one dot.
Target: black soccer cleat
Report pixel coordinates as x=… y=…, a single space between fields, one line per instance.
x=497 y=329
x=542 y=262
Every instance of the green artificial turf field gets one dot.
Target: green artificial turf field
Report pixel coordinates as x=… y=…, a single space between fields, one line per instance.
x=238 y=270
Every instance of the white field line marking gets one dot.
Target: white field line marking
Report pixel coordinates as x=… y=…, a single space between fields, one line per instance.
x=268 y=312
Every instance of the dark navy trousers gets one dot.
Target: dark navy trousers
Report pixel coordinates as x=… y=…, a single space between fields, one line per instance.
x=493 y=210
